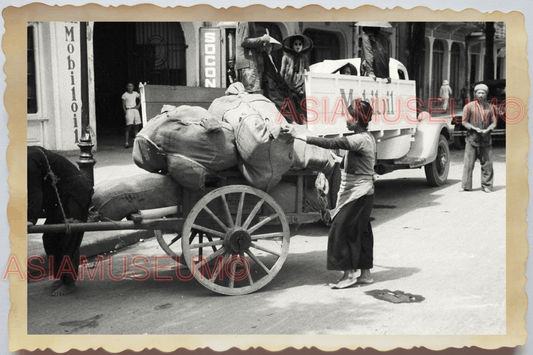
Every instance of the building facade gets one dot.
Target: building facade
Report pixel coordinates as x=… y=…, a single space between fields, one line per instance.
x=202 y=54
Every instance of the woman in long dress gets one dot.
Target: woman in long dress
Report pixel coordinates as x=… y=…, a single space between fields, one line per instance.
x=350 y=239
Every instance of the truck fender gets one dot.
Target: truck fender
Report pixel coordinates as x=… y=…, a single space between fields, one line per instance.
x=423 y=150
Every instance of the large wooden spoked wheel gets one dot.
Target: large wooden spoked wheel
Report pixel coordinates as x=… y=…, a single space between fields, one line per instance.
x=169 y=242
x=235 y=239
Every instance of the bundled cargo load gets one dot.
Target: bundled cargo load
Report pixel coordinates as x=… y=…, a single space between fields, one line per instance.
x=265 y=153
x=312 y=157
x=188 y=142
x=115 y=199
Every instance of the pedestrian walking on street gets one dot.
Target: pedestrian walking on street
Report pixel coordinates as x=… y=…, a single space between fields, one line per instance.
x=130 y=105
x=445 y=94
x=58 y=188
x=479 y=118
x=350 y=238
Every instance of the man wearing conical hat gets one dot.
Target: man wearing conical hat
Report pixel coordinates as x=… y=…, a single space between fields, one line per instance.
x=275 y=88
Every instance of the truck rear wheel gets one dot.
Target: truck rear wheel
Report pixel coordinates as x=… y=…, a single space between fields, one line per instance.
x=437 y=171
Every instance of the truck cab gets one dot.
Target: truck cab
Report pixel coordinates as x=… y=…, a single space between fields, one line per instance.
x=406 y=137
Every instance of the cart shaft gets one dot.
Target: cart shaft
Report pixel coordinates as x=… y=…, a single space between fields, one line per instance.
x=159 y=223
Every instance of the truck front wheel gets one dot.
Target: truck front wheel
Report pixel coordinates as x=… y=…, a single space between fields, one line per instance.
x=437 y=171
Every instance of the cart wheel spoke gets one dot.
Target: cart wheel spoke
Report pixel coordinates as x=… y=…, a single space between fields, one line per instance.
x=208 y=210
x=231 y=283
x=219 y=267
x=267 y=236
x=193 y=235
x=175 y=239
x=208 y=259
x=227 y=211
x=238 y=219
x=208 y=230
x=249 y=273
x=246 y=264
x=254 y=258
x=211 y=239
x=165 y=243
x=266 y=250
x=252 y=214
x=200 y=245
x=206 y=244
x=262 y=223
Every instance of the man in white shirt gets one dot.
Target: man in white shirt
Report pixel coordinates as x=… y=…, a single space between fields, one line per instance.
x=130 y=105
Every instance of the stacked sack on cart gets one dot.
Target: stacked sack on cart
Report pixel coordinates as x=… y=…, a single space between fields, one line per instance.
x=185 y=144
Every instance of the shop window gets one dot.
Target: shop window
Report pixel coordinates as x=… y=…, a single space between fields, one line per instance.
x=31 y=72
x=326 y=46
x=159 y=53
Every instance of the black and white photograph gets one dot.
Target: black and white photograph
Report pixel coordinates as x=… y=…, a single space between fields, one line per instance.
x=270 y=178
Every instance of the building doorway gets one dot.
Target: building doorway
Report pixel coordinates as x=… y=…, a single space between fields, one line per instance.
x=152 y=52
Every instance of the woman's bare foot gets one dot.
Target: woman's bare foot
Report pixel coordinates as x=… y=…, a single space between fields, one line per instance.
x=365 y=278
x=348 y=279
x=64 y=289
x=56 y=284
x=348 y=274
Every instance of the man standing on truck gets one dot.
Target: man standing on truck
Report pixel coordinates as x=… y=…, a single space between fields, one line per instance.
x=479 y=118
x=249 y=61
x=375 y=63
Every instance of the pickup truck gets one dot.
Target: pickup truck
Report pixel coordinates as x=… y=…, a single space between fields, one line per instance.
x=406 y=138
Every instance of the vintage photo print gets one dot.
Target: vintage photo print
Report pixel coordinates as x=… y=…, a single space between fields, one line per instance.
x=255 y=177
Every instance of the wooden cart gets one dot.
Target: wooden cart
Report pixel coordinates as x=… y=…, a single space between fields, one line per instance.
x=234 y=237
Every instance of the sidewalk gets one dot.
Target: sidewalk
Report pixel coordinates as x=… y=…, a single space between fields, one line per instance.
x=112 y=161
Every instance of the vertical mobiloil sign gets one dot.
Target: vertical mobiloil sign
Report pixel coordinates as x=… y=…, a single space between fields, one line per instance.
x=70 y=79
x=68 y=65
x=210 y=58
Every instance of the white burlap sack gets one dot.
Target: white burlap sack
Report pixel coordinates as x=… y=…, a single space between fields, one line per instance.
x=117 y=198
x=265 y=154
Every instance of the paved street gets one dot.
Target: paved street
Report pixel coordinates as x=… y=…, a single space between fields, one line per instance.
x=443 y=244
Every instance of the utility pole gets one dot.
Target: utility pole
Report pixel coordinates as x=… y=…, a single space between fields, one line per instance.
x=85 y=161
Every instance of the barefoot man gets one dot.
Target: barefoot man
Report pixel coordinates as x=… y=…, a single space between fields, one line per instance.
x=479 y=118
x=58 y=188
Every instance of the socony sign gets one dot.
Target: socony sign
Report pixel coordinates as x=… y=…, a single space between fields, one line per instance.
x=210 y=57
